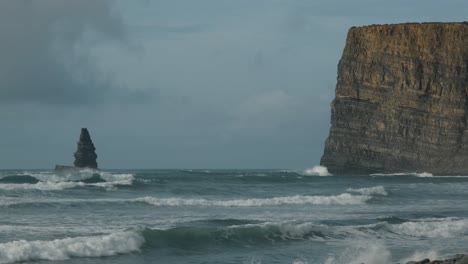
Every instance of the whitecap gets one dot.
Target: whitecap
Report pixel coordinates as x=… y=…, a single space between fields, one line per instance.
x=341 y=199
x=51 y=181
x=60 y=249
x=318 y=171
x=363 y=252
x=421 y=174
x=434 y=228
x=380 y=190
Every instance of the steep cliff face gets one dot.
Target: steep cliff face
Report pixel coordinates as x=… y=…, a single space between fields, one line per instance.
x=401 y=100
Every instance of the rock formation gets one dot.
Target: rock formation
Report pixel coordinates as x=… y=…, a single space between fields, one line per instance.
x=401 y=101
x=458 y=259
x=85 y=155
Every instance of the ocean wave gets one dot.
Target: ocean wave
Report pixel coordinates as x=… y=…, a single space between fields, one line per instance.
x=439 y=176
x=198 y=234
x=242 y=235
x=380 y=190
x=274 y=232
x=48 y=181
x=60 y=249
x=317 y=171
x=341 y=199
x=432 y=227
x=397 y=228
x=419 y=175
x=376 y=252
x=19 y=179
x=422 y=174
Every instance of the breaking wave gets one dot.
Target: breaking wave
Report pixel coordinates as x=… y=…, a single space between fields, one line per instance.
x=341 y=199
x=47 y=181
x=242 y=235
x=432 y=227
x=273 y=232
x=376 y=252
x=318 y=171
x=233 y=232
x=422 y=174
x=380 y=190
x=60 y=249
x=236 y=232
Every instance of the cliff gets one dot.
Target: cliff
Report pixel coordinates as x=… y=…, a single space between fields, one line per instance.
x=401 y=101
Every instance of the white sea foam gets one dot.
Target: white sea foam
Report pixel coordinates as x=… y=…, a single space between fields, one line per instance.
x=363 y=252
x=341 y=199
x=440 y=176
x=60 y=249
x=376 y=252
x=290 y=230
x=50 y=181
x=434 y=228
x=420 y=255
x=380 y=190
x=318 y=171
x=422 y=174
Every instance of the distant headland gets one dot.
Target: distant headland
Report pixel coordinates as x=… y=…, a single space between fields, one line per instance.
x=401 y=101
x=85 y=155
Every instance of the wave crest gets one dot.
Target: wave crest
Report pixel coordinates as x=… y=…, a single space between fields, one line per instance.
x=341 y=199
x=445 y=228
x=60 y=249
x=421 y=174
x=380 y=190
x=48 y=181
x=318 y=171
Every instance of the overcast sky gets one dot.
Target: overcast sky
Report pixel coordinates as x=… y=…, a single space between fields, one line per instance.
x=180 y=83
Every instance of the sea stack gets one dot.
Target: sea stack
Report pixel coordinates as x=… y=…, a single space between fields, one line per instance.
x=85 y=155
x=401 y=101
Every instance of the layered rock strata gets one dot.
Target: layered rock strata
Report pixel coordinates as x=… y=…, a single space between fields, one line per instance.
x=401 y=101
x=85 y=155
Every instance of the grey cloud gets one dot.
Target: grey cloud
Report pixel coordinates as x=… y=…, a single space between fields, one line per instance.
x=43 y=50
x=164 y=31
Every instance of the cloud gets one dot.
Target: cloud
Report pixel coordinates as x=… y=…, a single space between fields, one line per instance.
x=264 y=111
x=44 y=50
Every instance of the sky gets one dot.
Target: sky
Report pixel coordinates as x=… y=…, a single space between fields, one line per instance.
x=180 y=83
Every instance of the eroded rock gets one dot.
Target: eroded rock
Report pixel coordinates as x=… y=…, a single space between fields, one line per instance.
x=401 y=101
x=85 y=155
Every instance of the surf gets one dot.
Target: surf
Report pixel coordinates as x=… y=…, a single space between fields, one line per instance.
x=51 y=181
x=61 y=249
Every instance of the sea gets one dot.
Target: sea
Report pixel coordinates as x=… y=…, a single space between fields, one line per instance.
x=230 y=216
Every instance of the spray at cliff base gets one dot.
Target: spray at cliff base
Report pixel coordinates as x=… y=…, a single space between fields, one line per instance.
x=229 y=216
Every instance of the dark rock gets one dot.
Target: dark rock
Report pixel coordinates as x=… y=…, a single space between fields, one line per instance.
x=401 y=101
x=458 y=259
x=85 y=155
